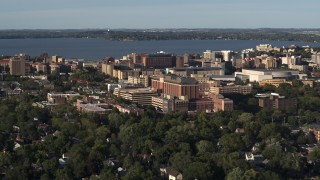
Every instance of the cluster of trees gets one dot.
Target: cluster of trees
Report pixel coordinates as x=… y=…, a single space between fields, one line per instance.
x=202 y=146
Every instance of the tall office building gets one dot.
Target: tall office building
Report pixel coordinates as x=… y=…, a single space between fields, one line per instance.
x=159 y=60
x=55 y=59
x=209 y=54
x=179 y=62
x=17 y=66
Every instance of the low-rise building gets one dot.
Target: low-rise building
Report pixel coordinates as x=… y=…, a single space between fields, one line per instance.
x=221 y=103
x=61 y=97
x=315 y=129
x=262 y=74
x=247 y=89
x=264 y=47
x=201 y=104
x=187 y=71
x=170 y=104
x=274 y=82
x=275 y=101
x=308 y=83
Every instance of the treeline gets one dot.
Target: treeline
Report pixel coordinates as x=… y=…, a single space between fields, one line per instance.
x=201 y=146
x=200 y=34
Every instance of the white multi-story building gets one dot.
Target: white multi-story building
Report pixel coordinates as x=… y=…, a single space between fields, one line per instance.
x=264 y=47
x=209 y=54
x=262 y=74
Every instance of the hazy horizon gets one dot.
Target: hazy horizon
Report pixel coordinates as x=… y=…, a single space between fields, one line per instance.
x=173 y=28
x=165 y=14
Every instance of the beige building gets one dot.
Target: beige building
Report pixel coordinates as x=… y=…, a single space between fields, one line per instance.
x=60 y=98
x=231 y=89
x=269 y=62
x=107 y=68
x=55 y=59
x=264 y=47
x=142 y=79
x=209 y=54
x=187 y=71
x=170 y=104
x=121 y=74
x=302 y=68
x=140 y=95
x=308 y=82
x=274 y=82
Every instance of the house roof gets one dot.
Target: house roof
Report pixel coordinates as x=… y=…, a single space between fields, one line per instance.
x=172 y=171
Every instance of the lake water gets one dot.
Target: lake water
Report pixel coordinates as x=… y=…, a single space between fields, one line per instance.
x=96 y=49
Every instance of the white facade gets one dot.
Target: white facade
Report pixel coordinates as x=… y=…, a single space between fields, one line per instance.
x=263 y=74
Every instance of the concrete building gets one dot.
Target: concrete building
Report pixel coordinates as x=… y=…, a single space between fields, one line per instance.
x=264 y=47
x=4 y=63
x=274 y=82
x=54 y=67
x=308 y=83
x=121 y=73
x=262 y=74
x=315 y=58
x=41 y=67
x=141 y=96
x=107 y=68
x=226 y=54
x=270 y=62
x=55 y=58
x=222 y=78
x=302 y=68
x=61 y=97
x=170 y=104
x=187 y=71
x=275 y=101
x=142 y=80
x=231 y=89
x=93 y=108
x=111 y=87
x=209 y=54
x=176 y=86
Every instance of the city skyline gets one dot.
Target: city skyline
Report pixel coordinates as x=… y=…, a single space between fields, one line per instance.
x=80 y=14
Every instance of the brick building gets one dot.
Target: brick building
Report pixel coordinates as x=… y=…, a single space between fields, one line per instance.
x=159 y=60
x=176 y=86
x=201 y=104
x=221 y=103
x=275 y=101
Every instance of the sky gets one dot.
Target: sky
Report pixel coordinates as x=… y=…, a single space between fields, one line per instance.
x=113 y=14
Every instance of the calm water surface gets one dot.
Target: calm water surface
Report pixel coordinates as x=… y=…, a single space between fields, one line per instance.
x=95 y=49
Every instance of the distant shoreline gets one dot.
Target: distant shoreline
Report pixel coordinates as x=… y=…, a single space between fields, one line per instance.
x=97 y=48
x=302 y=35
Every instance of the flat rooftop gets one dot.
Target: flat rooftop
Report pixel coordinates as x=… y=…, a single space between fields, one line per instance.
x=270 y=70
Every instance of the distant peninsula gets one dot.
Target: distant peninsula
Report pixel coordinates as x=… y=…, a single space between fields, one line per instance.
x=267 y=34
